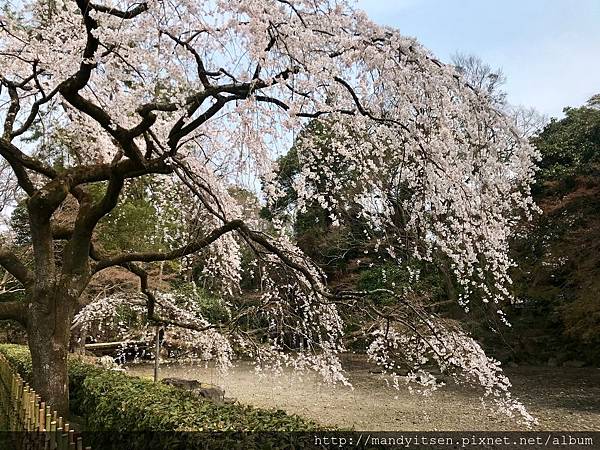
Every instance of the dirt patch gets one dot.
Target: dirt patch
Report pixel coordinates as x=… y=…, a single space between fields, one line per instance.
x=561 y=398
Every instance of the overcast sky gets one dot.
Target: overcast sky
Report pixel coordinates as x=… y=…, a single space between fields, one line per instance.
x=549 y=50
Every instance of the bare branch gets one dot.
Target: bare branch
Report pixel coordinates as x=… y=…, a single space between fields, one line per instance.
x=202 y=74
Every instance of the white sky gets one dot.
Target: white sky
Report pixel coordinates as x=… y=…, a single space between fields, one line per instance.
x=548 y=49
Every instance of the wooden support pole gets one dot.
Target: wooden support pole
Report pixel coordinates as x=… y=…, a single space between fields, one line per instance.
x=157 y=354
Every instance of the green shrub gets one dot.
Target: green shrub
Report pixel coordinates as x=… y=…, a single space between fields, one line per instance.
x=210 y=306
x=110 y=400
x=19 y=358
x=389 y=275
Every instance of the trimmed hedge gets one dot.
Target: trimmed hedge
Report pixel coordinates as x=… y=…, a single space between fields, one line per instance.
x=110 y=400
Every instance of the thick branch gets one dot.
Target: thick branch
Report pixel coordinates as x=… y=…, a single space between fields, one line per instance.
x=13 y=110
x=11 y=152
x=187 y=249
x=15 y=267
x=126 y=168
x=17 y=161
x=88 y=217
x=129 y=14
x=13 y=310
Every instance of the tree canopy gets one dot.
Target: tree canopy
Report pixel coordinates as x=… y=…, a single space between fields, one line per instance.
x=570 y=146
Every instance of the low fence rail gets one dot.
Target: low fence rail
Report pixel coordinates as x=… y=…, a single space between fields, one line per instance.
x=34 y=425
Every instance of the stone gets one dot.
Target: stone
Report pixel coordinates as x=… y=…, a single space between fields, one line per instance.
x=207 y=391
x=108 y=362
x=573 y=363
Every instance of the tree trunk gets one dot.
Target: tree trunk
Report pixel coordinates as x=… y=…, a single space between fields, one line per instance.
x=48 y=335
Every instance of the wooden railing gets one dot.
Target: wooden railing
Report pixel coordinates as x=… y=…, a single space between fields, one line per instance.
x=34 y=424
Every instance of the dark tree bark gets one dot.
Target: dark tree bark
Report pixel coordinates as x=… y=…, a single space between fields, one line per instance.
x=48 y=337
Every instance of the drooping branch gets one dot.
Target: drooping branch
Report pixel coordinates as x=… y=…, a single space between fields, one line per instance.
x=136 y=269
x=289 y=261
x=152 y=302
x=363 y=110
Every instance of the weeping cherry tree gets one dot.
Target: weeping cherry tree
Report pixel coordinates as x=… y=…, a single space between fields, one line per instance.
x=203 y=96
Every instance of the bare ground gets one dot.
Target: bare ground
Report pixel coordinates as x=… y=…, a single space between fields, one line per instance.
x=560 y=398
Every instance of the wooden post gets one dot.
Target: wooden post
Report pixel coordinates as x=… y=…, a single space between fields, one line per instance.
x=157 y=354
x=157 y=346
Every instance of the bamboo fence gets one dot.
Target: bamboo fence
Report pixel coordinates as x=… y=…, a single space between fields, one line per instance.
x=34 y=425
